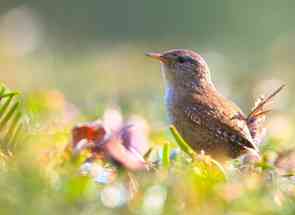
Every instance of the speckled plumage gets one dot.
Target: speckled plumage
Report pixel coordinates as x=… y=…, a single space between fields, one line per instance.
x=205 y=119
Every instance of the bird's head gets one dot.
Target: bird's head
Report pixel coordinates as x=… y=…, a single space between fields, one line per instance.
x=182 y=66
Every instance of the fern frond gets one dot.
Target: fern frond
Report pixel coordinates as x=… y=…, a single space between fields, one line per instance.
x=10 y=120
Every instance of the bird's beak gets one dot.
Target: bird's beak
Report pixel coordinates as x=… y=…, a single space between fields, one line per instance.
x=156 y=55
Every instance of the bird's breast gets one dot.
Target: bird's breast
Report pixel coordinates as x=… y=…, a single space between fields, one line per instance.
x=170 y=100
x=175 y=104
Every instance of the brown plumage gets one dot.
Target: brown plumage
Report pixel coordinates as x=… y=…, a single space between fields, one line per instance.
x=207 y=120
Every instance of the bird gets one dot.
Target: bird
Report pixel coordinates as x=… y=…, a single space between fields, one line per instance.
x=208 y=121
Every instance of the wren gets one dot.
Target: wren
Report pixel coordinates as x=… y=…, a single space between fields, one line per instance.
x=207 y=120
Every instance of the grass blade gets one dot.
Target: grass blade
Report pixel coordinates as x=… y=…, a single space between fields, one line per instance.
x=206 y=163
x=147 y=154
x=9 y=95
x=166 y=155
x=12 y=131
x=181 y=142
x=18 y=134
x=2 y=91
x=10 y=113
x=5 y=105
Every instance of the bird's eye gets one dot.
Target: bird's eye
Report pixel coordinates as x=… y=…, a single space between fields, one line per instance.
x=181 y=59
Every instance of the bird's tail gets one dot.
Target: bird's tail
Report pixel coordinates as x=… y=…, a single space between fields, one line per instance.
x=257 y=116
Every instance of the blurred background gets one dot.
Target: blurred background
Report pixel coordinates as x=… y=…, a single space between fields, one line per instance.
x=75 y=58
x=92 y=52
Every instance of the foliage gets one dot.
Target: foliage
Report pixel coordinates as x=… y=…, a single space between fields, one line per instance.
x=10 y=120
x=45 y=178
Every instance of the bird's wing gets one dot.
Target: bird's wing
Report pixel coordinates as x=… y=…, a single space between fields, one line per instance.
x=223 y=118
